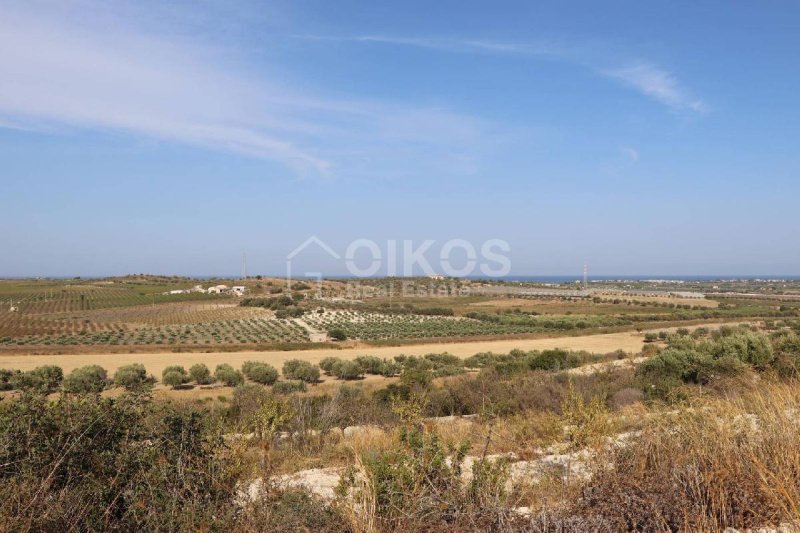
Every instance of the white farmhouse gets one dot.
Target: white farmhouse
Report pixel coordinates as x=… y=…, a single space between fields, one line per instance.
x=217 y=289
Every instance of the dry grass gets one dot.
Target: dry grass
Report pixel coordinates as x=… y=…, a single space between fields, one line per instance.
x=724 y=463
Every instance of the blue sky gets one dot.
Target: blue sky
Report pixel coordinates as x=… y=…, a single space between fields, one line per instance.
x=640 y=137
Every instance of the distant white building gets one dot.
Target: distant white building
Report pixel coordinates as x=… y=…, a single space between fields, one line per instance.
x=178 y=291
x=238 y=290
x=217 y=289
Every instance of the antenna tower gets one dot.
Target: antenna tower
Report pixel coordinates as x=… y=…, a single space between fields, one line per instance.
x=585 y=276
x=244 y=265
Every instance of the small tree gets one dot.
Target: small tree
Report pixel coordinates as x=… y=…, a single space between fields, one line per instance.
x=328 y=363
x=43 y=379
x=348 y=370
x=263 y=373
x=200 y=374
x=174 y=376
x=50 y=376
x=132 y=377
x=302 y=370
x=86 y=379
x=226 y=374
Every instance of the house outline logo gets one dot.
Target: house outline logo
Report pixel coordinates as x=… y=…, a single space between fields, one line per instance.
x=294 y=253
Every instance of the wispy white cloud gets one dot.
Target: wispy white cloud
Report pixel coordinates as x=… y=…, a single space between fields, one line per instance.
x=111 y=78
x=656 y=83
x=646 y=78
x=454 y=45
x=115 y=75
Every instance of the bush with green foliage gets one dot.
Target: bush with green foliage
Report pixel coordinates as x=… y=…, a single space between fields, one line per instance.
x=86 y=379
x=348 y=370
x=288 y=387
x=91 y=464
x=7 y=379
x=200 y=374
x=174 y=376
x=337 y=334
x=263 y=373
x=132 y=377
x=389 y=369
x=731 y=352
x=369 y=364
x=43 y=379
x=302 y=370
x=327 y=363
x=225 y=373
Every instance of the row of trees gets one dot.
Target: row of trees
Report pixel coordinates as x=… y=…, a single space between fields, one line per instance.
x=94 y=378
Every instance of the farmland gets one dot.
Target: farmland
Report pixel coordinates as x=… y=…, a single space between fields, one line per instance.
x=376 y=326
x=140 y=313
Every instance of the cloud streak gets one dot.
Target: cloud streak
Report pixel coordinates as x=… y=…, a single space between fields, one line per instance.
x=645 y=78
x=657 y=84
x=131 y=82
x=111 y=75
x=453 y=45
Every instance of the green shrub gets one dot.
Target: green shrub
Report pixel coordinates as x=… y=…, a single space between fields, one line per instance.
x=90 y=463
x=288 y=387
x=43 y=379
x=226 y=374
x=751 y=348
x=327 y=364
x=200 y=374
x=444 y=359
x=787 y=354
x=302 y=370
x=348 y=370
x=50 y=377
x=448 y=370
x=7 y=378
x=480 y=360
x=174 y=376
x=416 y=377
x=369 y=364
x=389 y=368
x=337 y=334
x=262 y=373
x=131 y=377
x=86 y=379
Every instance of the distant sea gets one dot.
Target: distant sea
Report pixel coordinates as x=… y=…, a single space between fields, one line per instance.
x=563 y=279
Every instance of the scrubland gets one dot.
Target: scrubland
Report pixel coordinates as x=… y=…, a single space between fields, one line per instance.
x=695 y=432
